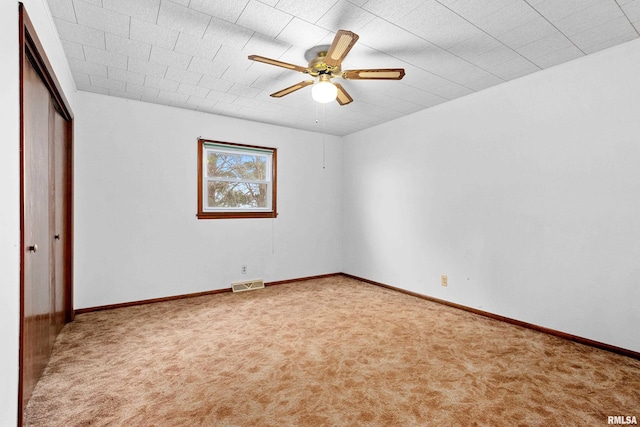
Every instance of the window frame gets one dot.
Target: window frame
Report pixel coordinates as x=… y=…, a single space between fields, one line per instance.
x=233 y=213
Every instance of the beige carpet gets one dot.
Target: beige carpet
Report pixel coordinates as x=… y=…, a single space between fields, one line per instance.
x=326 y=352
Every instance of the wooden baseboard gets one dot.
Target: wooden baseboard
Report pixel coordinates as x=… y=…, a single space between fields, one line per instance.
x=564 y=335
x=193 y=295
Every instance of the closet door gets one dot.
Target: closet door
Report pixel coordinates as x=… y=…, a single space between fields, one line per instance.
x=61 y=230
x=46 y=211
x=36 y=339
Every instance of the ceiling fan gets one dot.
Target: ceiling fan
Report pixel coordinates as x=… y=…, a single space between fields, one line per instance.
x=324 y=63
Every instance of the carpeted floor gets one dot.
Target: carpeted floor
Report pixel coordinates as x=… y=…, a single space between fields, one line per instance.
x=325 y=352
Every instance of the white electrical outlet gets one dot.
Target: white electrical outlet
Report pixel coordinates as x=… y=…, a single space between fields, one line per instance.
x=443 y=280
x=243 y=269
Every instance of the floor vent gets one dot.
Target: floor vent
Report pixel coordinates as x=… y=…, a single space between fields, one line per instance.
x=249 y=285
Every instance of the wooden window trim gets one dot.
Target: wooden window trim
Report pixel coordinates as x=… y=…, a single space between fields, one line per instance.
x=202 y=214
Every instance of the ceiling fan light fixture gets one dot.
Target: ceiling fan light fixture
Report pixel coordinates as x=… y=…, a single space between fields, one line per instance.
x=324 y=91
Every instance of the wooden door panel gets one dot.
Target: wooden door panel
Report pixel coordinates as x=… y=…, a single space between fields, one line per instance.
x=37 y=225
x=60 y=230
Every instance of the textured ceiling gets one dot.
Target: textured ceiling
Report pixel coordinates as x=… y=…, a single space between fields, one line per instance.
x=193 y=53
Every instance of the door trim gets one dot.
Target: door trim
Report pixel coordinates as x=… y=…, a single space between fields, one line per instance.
x=30 y=47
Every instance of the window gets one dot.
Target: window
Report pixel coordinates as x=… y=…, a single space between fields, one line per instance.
x=236 y=180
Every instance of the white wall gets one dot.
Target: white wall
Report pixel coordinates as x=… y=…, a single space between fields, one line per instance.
x=526 y=195
x=137 y=236
x=10 y=183
x=9 y=213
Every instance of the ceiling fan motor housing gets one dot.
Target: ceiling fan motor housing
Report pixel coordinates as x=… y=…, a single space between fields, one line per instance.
x=318 y=66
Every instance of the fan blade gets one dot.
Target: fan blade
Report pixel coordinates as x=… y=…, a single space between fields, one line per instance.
x=290 y=89
x=375 y=74
x=343 y=97
x=342 y=44
x=278 y=63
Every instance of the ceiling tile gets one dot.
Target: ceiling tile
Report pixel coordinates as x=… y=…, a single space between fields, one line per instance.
x=146 y=10
x=80 y=66
x=558 y=57
x=484 y=82
x=107 y=83
x=237 y=74
x=125 y=76
x=102 y=19
x=227 y=34
x=126 y=46
x=194 y=46
x=63 y=9
x=309 y=11
x=438 y=24
x=93 y=2
x=210 y=68
x=443 y=88
x=144 y=67
x=81 y=78
x=183 y=105
x=153 y=34
x=216 y=96
x=474 y=11
x=182 y=76
x=555 y=10
x=243 y=90
x=223 y=9
x=214 y=83
x=386 y=37
x=528 y=32
x=499 y=55
x=302 y=34
x=184 y=3
x=94 y=89
x=80 y=34
x=201 y=102
x=632 y=10
x=142 y=90
x=173 y=97
x=103 y=57
x=182 y=19
x=470 y=75
x=73 y=49
x=345 y=15
x=589 y=17
x=170 y=58
x=268 y=84
x=192 y=90
x=609 y=34
x=514 y=68
x=247 y=102
x=264 y=19
x=162 y=84
x=257 y=45
x=507 y=18
x=475 y=46
x=293 y=55
x=440 y=62
x=414 y=95
x=155 y=100
x=124 y=95
x=553 y=42
x=391 y=11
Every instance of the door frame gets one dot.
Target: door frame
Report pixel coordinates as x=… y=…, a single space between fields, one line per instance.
x=31 y=47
